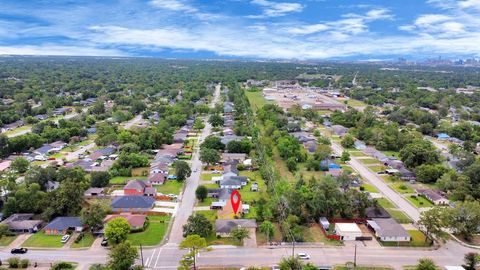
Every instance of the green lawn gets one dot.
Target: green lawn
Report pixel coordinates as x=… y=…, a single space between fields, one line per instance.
x=211 y=185
x=356 y=153
x=153 y=234
x=256 y=99
x=399 y=216
x=41 y=240
x=208 y=176
x=314 y=234
x=247 y=195
x=369 y=161
x=206 y=202
x=392 y=153
x=213 y=240
x=86 y=241
x=17 y=130
x=7 y=239
x=355 y=103
x=121 y=180
x=57 y=155
x=402 y=188
x=377 y=168
x=419 y=201
x=418 y=240
x=385 y=203
x=369 y=188
x=170 y=187
x=277 y=235
x=209 y=214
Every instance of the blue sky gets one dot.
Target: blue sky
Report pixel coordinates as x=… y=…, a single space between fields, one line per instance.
x=265 y=29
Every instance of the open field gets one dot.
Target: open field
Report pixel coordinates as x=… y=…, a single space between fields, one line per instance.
x=170 y=187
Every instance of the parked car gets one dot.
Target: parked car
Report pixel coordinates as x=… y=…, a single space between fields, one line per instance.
x=20 y=250
x=303 y=256
x=65 y=238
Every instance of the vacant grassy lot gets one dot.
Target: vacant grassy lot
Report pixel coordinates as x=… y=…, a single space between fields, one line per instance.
x=209 y=214
x=208 y=176
x=356 y=153
x=419 y=201
x=153 y=234
x=369 y=161
x=42 y=240
x=385 y=203
x=402 y=188
x=314 y=234
x=399 y=216
x=86 y=241
x=256 y=99
x=170 y=187
x=369 y=188
x=276 y=237
x=121 y=180
x=7 y=239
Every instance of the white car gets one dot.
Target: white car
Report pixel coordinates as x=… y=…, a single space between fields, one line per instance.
x=303 y=256
x=65 y=238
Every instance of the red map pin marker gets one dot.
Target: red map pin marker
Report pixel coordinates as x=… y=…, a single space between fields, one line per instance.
x=235 y=200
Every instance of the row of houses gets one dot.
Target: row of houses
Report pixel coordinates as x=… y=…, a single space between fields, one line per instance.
x=101 y=160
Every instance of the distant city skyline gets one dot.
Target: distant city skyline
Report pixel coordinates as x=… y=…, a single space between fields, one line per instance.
x=244 y=29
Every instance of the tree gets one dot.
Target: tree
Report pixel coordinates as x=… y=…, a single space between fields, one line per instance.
x=215 y=120
x=347 y=141
x=212 y=142
x=290 y=263
x=431 y=223
x=268 y=229
x=345 y=156
x=242 y=146
x=182 y=170
x=93 y=215
x=426 y=264
x=429 y=173
x=67 y=199
x=240 y=234
x=194 y=243
x=20 y=164
x=99 y=179
x=4 y=230
x=201 y=193
x=197 y=224
x=117 y=229
x=464 y=218
x=198 y=124
x=122 y=256
x=471 y=260
x=419 y=152
x=209 y=156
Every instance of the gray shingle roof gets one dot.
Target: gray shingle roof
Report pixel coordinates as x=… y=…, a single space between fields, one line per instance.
x=388 y=227
x=133 y=202
x=226 y=225
x=64 y=223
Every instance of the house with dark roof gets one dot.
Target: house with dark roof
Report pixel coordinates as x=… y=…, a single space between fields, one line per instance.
x=104 y=152
x=226 y=157
x=388 y=230
x=233 y=182
x=22 y=223
x=61 y=225
x=134 y=204
x=157 y=178
x=434 y=196
x=223 y=227
x=229 y=138
x=339 y=130
x=139 y=187
x=94 y=192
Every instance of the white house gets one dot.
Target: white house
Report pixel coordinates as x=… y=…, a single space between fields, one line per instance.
x=348 y=231
x=388 y=230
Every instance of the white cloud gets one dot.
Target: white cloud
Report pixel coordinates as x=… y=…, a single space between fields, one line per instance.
x=50 y=49
x=173 y=5
x=276 y=9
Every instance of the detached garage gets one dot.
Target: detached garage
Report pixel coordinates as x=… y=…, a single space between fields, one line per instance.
x=348 y=231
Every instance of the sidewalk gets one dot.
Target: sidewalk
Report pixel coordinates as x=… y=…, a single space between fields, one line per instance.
x=19 y=241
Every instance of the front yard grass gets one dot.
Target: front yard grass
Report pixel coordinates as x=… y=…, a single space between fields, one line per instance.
x=208 y=176
x=170 y=187
x=153 y=234
x=356 y=153
x=42 y=240
x=211 y=215
x=369 y=161
x=402 y=188
x=419 y=201
x=385 y=203
x=377 y=168
x=399 y=216
x=369 y=188
x=86 y=241
x=121 y=180
x=314 y=234
x=7 y=239
x=206 y=202
x=418 y=240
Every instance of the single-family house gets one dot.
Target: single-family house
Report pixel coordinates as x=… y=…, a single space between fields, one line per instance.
x=388 y=230
x=103 y=153
x=228 y=138
x=226 y=157
x=223 y=227
x=61 y=225
x=139 y=188
x=348 y=231
x=233 y=182
x=434 y=196
x=134 y=204
x=136 y=221
x=94 y=192
x=339 y=130
x=157 y=178
x=22 y=223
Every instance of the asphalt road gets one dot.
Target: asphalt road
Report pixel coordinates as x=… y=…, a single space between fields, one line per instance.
x=378 y=182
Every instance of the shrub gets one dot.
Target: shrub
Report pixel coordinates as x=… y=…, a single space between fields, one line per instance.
x=362 y=188
x=24 y=263
x=61 y=266
x=79 y=238
x=13 y=262
x=403 y=187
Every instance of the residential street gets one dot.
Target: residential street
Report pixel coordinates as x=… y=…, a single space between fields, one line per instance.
x=378 y=182
x=130 y=123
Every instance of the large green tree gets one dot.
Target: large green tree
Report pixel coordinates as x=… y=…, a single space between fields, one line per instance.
x=122 y=256
x=182 y=170
x=419 y=152
x=117 y=229
x=197 y=224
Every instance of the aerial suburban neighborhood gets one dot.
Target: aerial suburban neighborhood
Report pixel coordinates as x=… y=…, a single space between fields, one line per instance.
x=240 y=135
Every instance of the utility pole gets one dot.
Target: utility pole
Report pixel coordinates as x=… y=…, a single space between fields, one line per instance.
x=141 y=254
x=355 y=258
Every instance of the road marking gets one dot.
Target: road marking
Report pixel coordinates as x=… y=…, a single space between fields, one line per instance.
x=150 y=259
x=158 y=256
